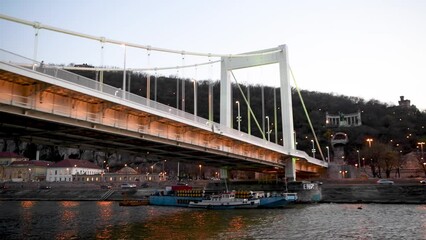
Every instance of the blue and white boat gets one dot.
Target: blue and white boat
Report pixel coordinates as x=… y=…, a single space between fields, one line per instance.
x=277 y=200
x=225 y=201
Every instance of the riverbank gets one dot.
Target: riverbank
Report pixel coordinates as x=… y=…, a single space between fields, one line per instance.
x=329 y=192
x=374 y=194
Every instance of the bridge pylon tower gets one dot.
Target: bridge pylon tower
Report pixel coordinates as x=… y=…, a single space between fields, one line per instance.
x=255 y=59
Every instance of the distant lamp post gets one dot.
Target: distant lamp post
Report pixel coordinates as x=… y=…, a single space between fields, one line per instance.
x=313 y=148
x=239 y=115
x=328 y=154
x=29 y=174
x=359 y=160
x=200 y=170
x=421 y=149
x=343 y=172
x=369 y=140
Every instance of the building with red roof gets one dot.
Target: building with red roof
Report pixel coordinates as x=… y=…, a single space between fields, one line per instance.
x=6 y=158
x=26 y=171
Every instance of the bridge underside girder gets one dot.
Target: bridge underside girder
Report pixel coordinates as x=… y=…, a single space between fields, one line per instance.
x=38 y=131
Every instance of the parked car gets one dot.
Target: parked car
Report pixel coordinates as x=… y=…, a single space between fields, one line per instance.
x=385 y=181
x=105 y=186
x=423 y=181
x=128 y=185
x=45 y=187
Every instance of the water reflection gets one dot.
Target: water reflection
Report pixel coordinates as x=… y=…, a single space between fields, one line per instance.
x=105 y=212
x=27 y=215
x=237 y=224
x=107 y=220
x=27 y=204
x=69 y=204
x=68 y=212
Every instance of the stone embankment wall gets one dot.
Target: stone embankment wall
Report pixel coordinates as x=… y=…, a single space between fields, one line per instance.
x=374 y=193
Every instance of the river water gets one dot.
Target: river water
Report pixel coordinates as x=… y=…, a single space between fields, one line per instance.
x=107 y=220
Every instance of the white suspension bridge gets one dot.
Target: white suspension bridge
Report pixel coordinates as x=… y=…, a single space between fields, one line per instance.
x=48 y=104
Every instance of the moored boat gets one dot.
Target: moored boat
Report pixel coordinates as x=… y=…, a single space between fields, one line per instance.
x=225 y=201
x=269 y=199
x=178 y=196
x=182 y=195
x=277 y=200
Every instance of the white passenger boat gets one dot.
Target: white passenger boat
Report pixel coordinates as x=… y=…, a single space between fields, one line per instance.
x=225 y=201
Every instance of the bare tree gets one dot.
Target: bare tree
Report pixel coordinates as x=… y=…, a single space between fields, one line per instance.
x=382 y=157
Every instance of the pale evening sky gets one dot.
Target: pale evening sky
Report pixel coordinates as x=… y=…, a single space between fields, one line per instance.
x=374 y=49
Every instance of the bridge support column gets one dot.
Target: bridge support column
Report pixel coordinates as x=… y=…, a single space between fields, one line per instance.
x=290 y=169
x=225 y=96
x=286 y=103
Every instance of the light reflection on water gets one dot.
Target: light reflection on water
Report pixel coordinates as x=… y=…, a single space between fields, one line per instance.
x=107 y=220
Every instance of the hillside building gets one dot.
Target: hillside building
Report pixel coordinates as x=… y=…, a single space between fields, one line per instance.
x=343 y=120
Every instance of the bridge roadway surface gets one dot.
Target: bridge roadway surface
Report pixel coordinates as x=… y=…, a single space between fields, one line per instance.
x=54 y=107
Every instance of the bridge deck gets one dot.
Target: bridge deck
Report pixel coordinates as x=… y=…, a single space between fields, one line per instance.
x=41 y=106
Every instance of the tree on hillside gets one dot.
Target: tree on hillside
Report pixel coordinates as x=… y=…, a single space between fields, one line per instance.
x=381 y=157
x=421 y=160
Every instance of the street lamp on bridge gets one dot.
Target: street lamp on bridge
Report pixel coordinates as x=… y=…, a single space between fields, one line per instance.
x=269 y=131
x=239 y=115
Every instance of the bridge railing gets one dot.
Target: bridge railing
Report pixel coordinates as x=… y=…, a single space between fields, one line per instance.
x=12 y=58
x=64 y=75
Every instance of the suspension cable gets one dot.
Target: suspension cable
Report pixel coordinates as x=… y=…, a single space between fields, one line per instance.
x=248 y=105
x=128 y=44
x=306 y=113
